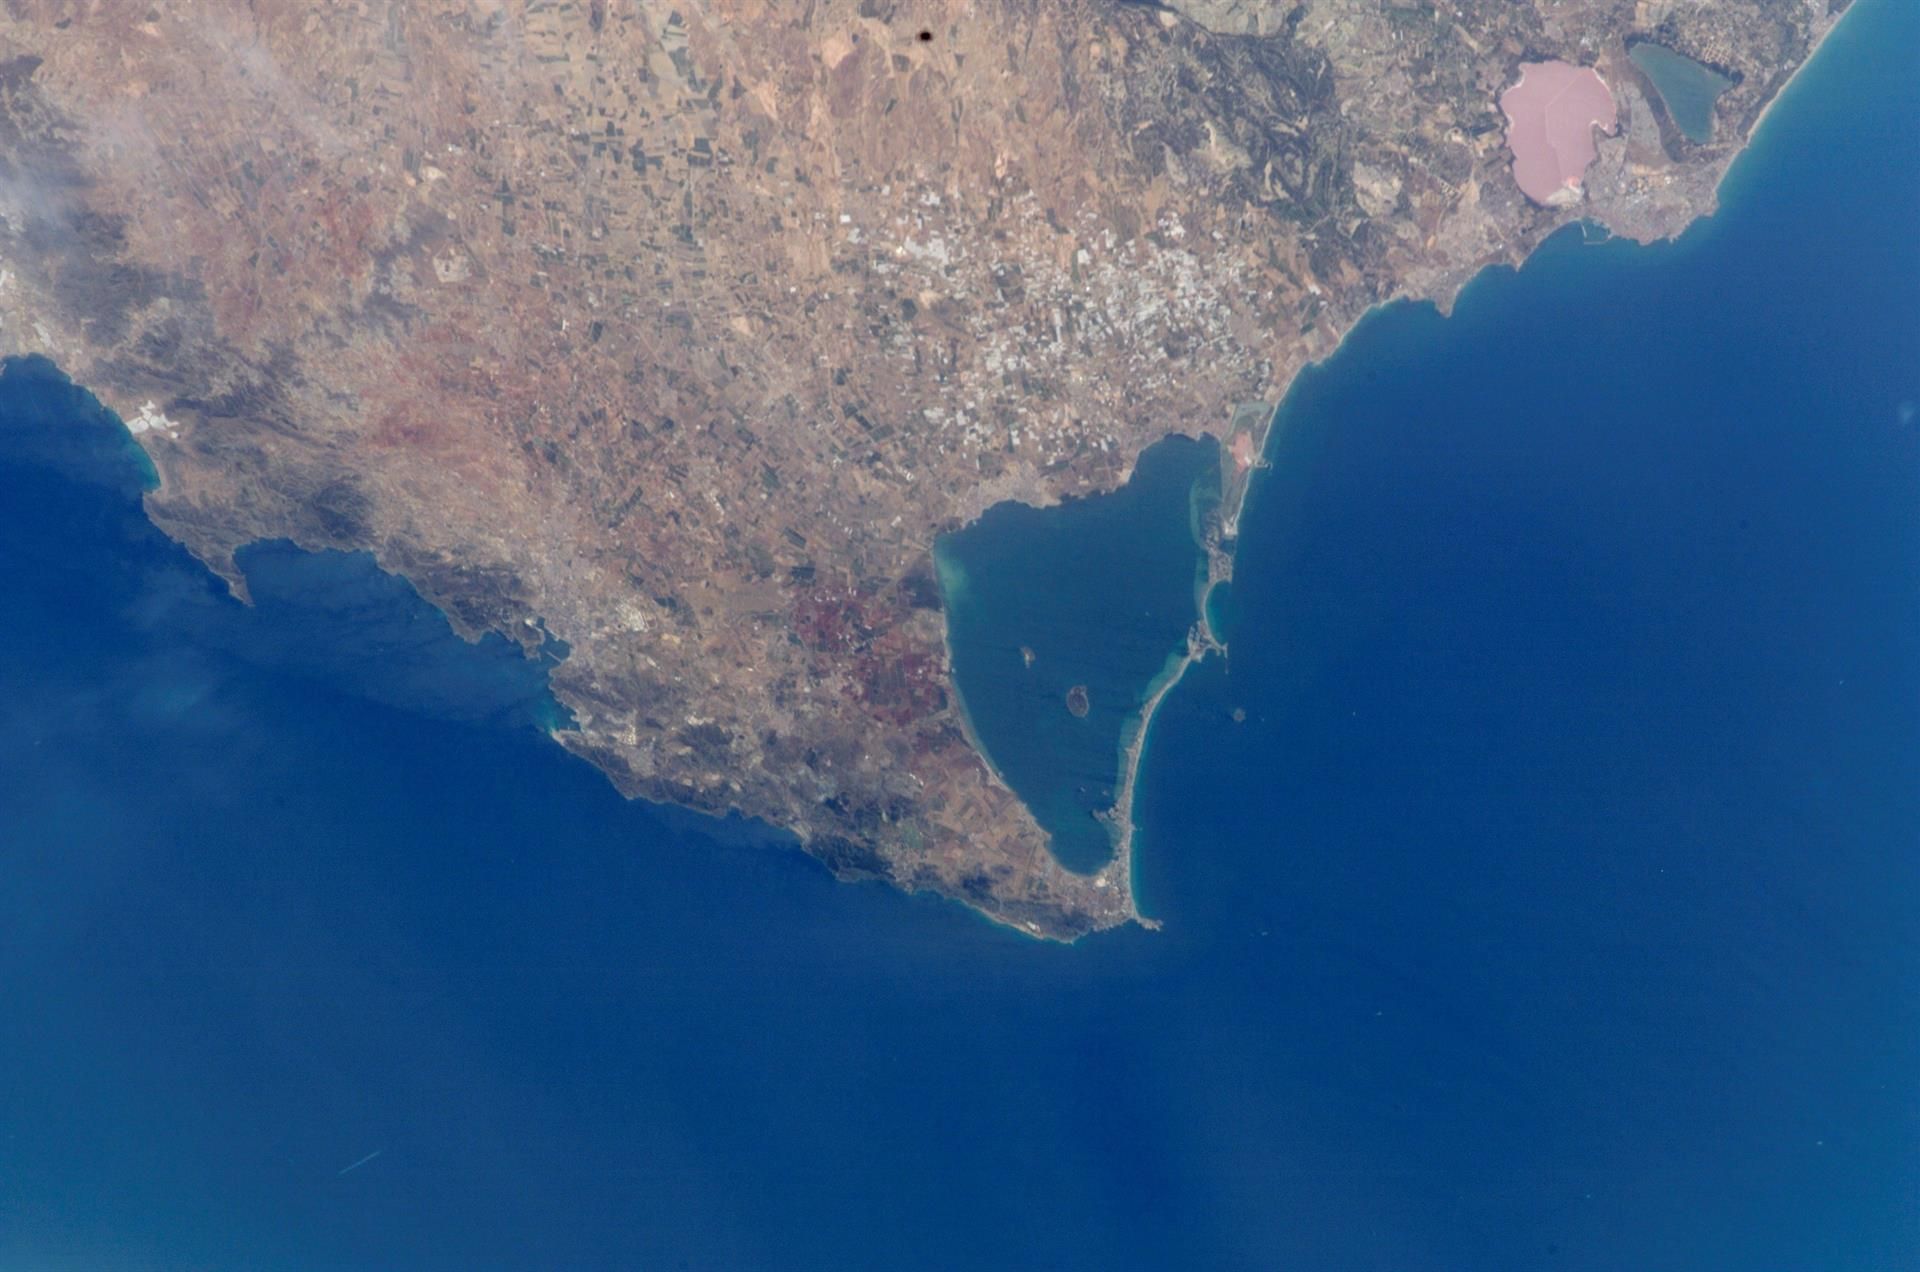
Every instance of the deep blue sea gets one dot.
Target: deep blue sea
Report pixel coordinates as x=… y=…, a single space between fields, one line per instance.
x=1555 y=906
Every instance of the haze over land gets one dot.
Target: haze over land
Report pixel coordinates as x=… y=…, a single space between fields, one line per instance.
x=678 y=332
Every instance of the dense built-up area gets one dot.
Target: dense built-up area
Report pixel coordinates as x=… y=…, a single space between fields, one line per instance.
x=678 y=329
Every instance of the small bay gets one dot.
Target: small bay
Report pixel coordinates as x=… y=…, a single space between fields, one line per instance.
x=1097 y=596
x=1538 y=869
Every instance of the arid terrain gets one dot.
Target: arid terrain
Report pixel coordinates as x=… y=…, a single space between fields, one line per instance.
x=679 y=329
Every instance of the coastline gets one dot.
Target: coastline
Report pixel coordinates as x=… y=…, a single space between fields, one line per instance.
x=1117 y=872
x=942 y=568
x=1792 y=81
x=1200 y=643
x=1201 y=639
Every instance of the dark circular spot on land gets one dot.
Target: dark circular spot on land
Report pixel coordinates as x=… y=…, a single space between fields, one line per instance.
x=926 y=37
x=1077 y=700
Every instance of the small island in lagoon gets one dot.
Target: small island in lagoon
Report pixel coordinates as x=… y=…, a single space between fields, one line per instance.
x=1068 y=624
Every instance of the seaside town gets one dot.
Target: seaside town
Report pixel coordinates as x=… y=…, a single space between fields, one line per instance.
x=679 y=330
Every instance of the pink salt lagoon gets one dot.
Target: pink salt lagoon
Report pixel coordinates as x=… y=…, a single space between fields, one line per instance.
x=1551 y=114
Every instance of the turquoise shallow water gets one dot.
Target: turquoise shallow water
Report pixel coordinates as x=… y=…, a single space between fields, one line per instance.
x=1098 y=593
x=1556 y=905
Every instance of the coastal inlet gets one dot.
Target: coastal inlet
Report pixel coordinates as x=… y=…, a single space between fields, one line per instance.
x=1063 y=620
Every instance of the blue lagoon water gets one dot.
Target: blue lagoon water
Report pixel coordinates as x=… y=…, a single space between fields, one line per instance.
x=1556 y=904
x=1097 y=593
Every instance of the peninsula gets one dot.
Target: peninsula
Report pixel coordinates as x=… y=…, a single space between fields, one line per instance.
x=678 y=330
